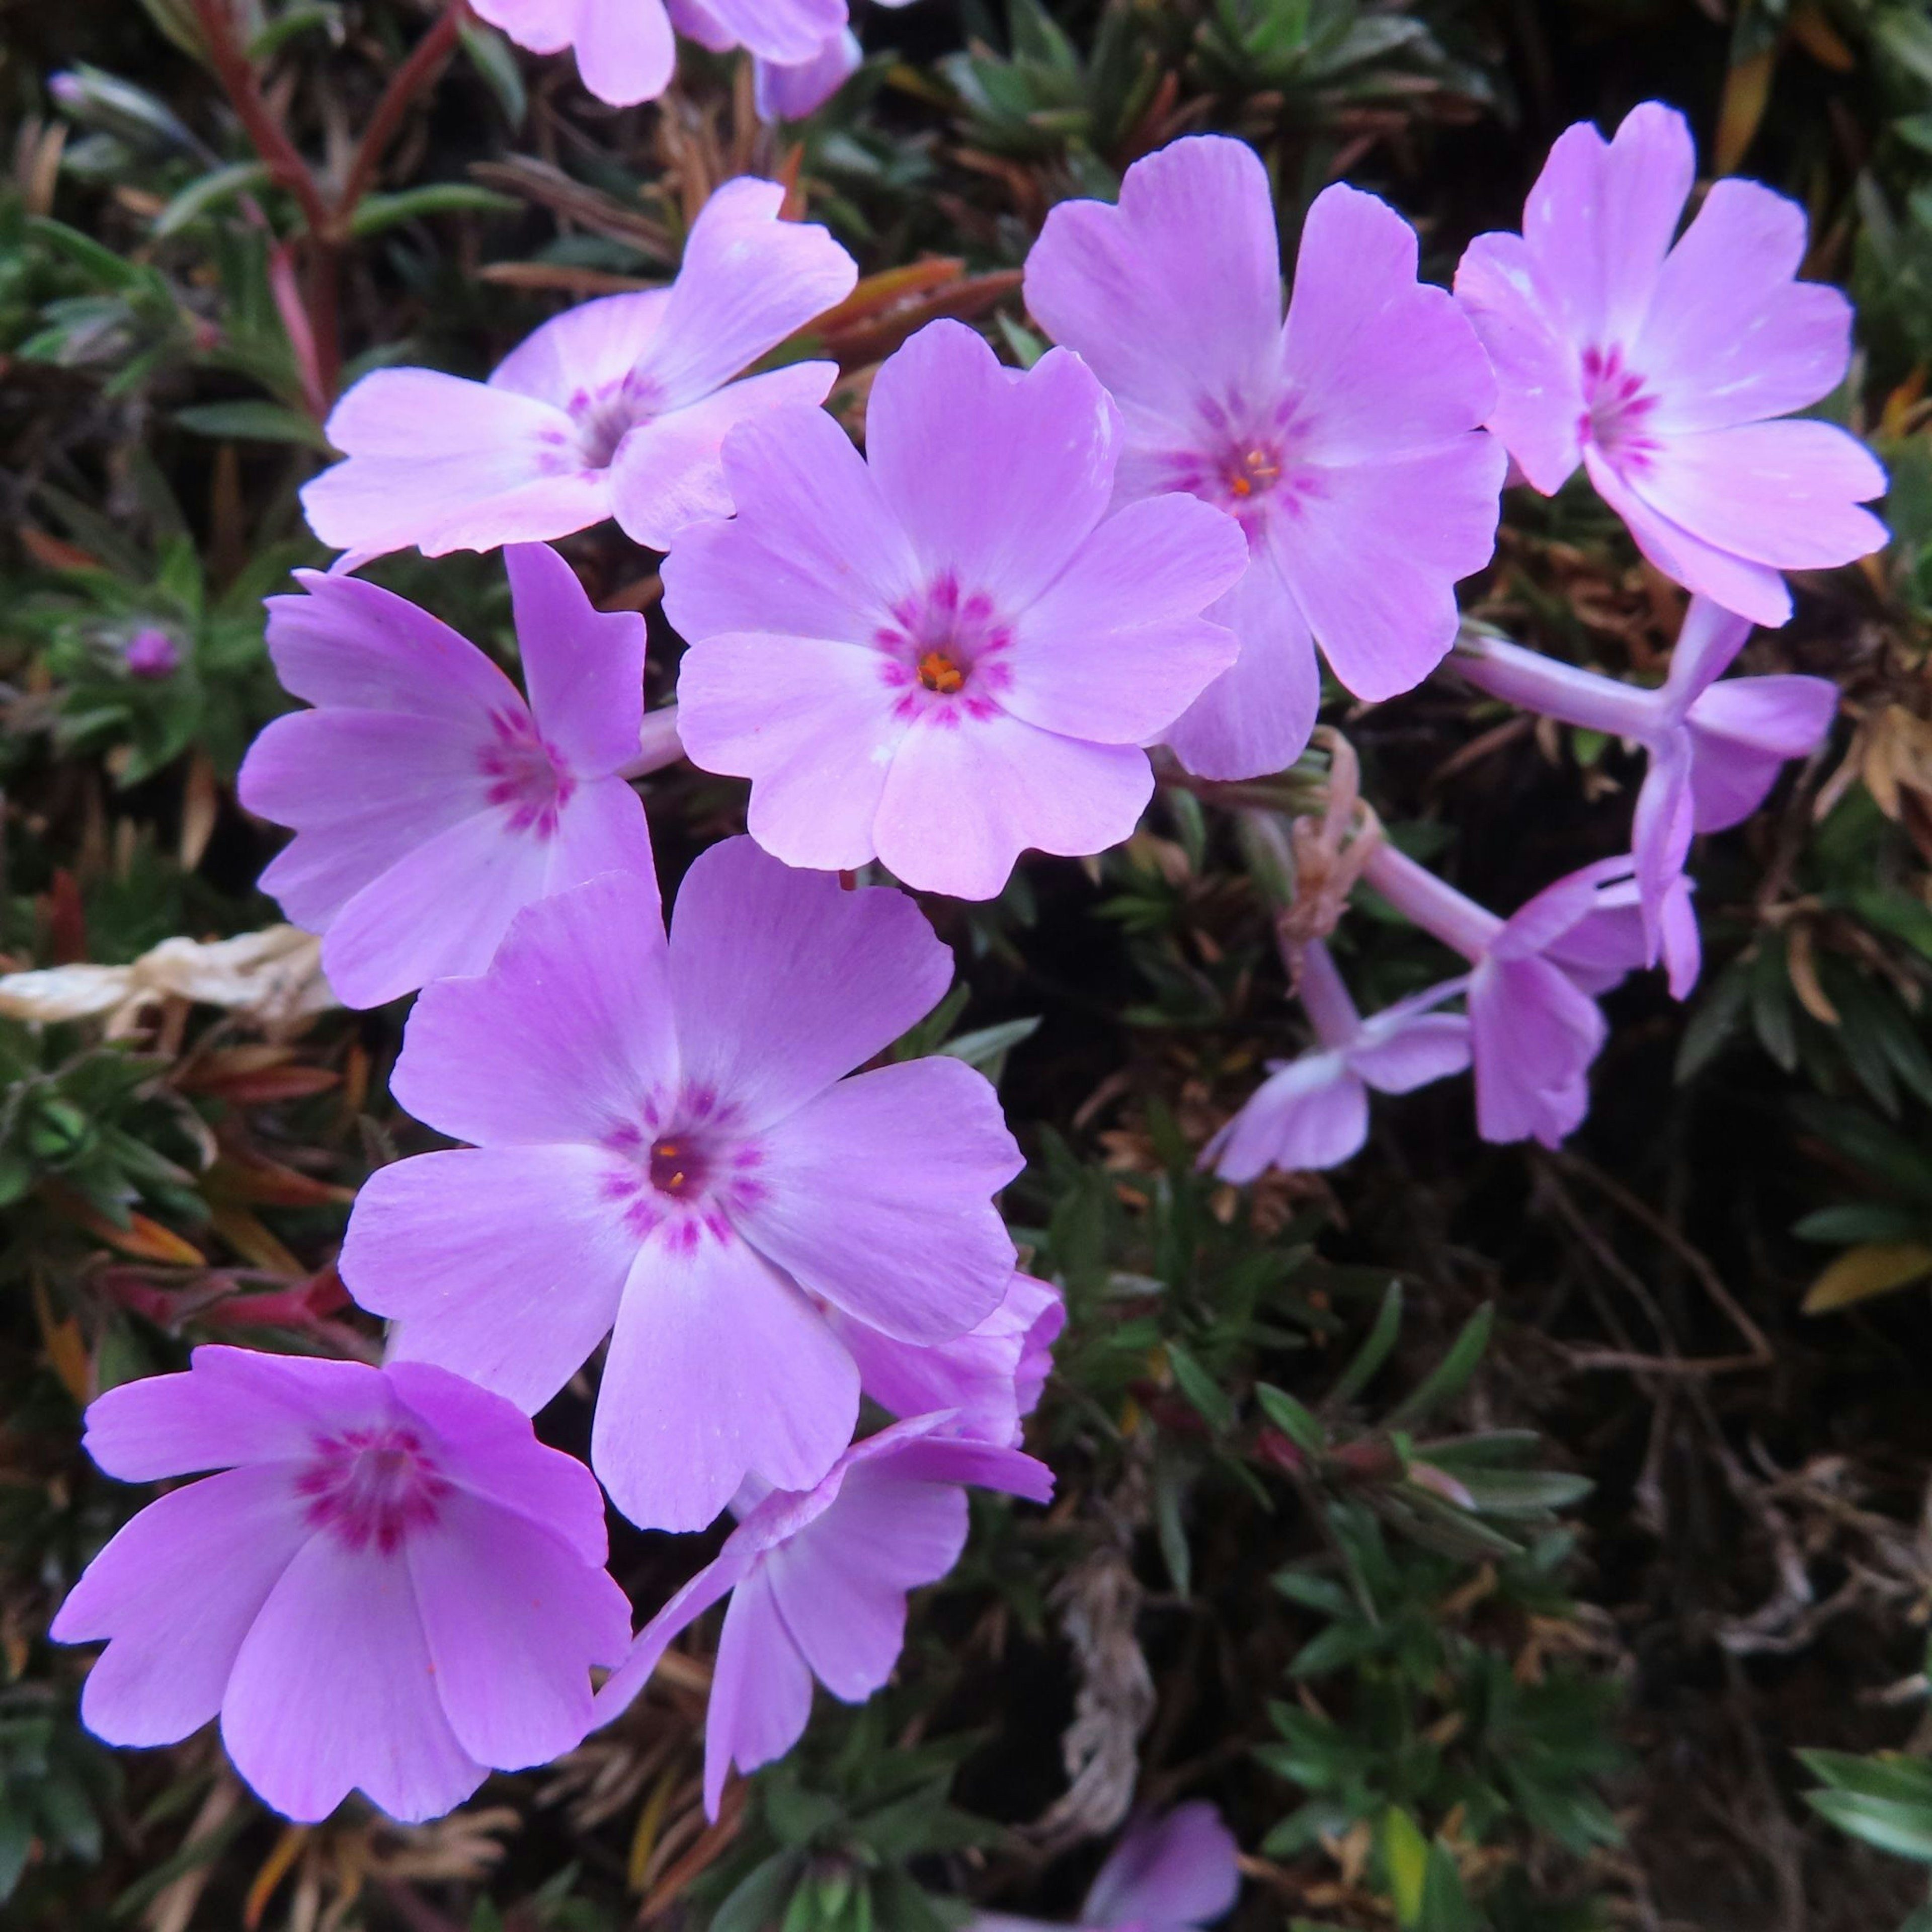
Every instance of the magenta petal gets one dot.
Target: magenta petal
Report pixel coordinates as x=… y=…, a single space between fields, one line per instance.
x=1384 y=366
x=1708 y=642
x=783 y=981
x=760 y=1690
x=790 y=92
x=335 y=1689
x=667 y=474
x=814 y=552
x=1313 y=1114
x=1534 y=1033
x=602 y=829
x=505 y=1264
x=591 y=347
x=747 y=281
x=963 y=800
x=1168 y=1874
x=877 y=1195
x=1660 y=833
x=514 y=1619
x=1422 y=1048
x=810 y=723
x=1176 y=292
x=1256 y=718
x=718 y=1369
x=841 y=1583
x=176 y=1591
x=444 y=464
x=562 y=1038
x=1744 y=731
x=626 y=51
x=584 y=669
x=779 y=30
x=1115 y=649
x=999 y=476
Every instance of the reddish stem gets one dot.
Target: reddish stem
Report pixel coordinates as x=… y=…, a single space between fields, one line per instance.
x=411 y=78
x=244 y=89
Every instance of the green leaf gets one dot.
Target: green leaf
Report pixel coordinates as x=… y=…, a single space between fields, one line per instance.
x=1405 y=1856
x=1373 y=1352
x=489 y=53
x=1201 y=1389
x=1904 y=1830
x=1294 y=1420
x=251 y=421
x=755 y=1900
x=1447 y=1380
x=1890 y=1775
x=210 y=191
x=376 y=213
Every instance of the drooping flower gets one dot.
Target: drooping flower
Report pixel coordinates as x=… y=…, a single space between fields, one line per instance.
x=664 y=1145
x=1174 y=1872
x=429 y=801
x=616 y=408
x=947 y=651
x=990 y=1379
x=790 y=84
x=1346 y=440
x=818 y=1581
x=392 y=1587
x=1313 y=1111
x=1715 y=749
x=1664 y=370
x=1534 y=1026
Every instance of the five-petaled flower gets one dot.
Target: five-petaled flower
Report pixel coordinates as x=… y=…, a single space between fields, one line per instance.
x=948 y=651
x=391 y=1587
x=616 y=408
x=430 y=802
x=818 y=1581
x=1346 y=439
x=666 y=1147
x=1661 y=368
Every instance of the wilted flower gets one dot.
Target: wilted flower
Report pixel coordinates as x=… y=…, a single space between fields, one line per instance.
x=949 y=651
x=151 y=653
x=818 y=1581
x=665 y=1145
x=1347 y=441
x=392 y=1587
x=1175 y=1873
x=1715 y=749
x=616 y=408
x=989 y=1379
x=1661 y=368
x=429 y=801
x=1313 y=1111
x=1535 y=1027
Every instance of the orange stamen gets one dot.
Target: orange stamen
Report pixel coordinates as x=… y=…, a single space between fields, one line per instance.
x=938 y=672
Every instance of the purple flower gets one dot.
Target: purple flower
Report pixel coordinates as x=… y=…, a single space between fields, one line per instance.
x=1313 y=1111
x=665 y=1146
x=1715 y=749
x=430 y=802
x=1534 y=1023
x=990 y=1379
x=151 y=653
x=616 y=408
x=1347 y=441
x=1661 y=368
x=818 y=1581
x=1175 y=1873
x=783 y=91
x=392 y=1587
x=949 y=651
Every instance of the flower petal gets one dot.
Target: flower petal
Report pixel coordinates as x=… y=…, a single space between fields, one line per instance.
x=1534 y=1033
x=877 y=1195
x=1176 y=1872
x=584 y=669
x=1313 y=1114
x=780 y=30
x=790 y=92
x=760 y=1690
x=590 y=347
x=176 y=1591
x=1424 y=1048
x=335 y=1690
x=718 y=1369
x=783 y=981
x=625 y=50
x=620 y=1690
x=1744 y=731
x=505 y=1264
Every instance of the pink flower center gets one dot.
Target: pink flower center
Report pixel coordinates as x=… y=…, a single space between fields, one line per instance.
x=373 y=1486
x=527 y=778
x=678 y=1166
x=685 y=1168
x=603 y=417
x=1616 y=409
x=1241 y=461
x=946 y=653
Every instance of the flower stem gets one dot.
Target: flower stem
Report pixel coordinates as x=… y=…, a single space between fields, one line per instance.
x=1431 y=903
x=1534 y=682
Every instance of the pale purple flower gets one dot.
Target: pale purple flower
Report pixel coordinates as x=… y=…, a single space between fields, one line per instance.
x=990 y=1379
x=818 y=1581
x=1661 y=369
x=1178 y=1872
x=1535 y=1027
x=1715 y=749
x=1347 y=440
x=616 y=408
x=392 y=1586
x=665 y=1146
x=783 y=91
x=151 y=653
x=430 y=801
x=948 y=651
x=1312 y=1112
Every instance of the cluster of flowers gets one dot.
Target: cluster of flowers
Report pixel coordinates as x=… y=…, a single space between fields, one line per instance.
x=959 y=645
